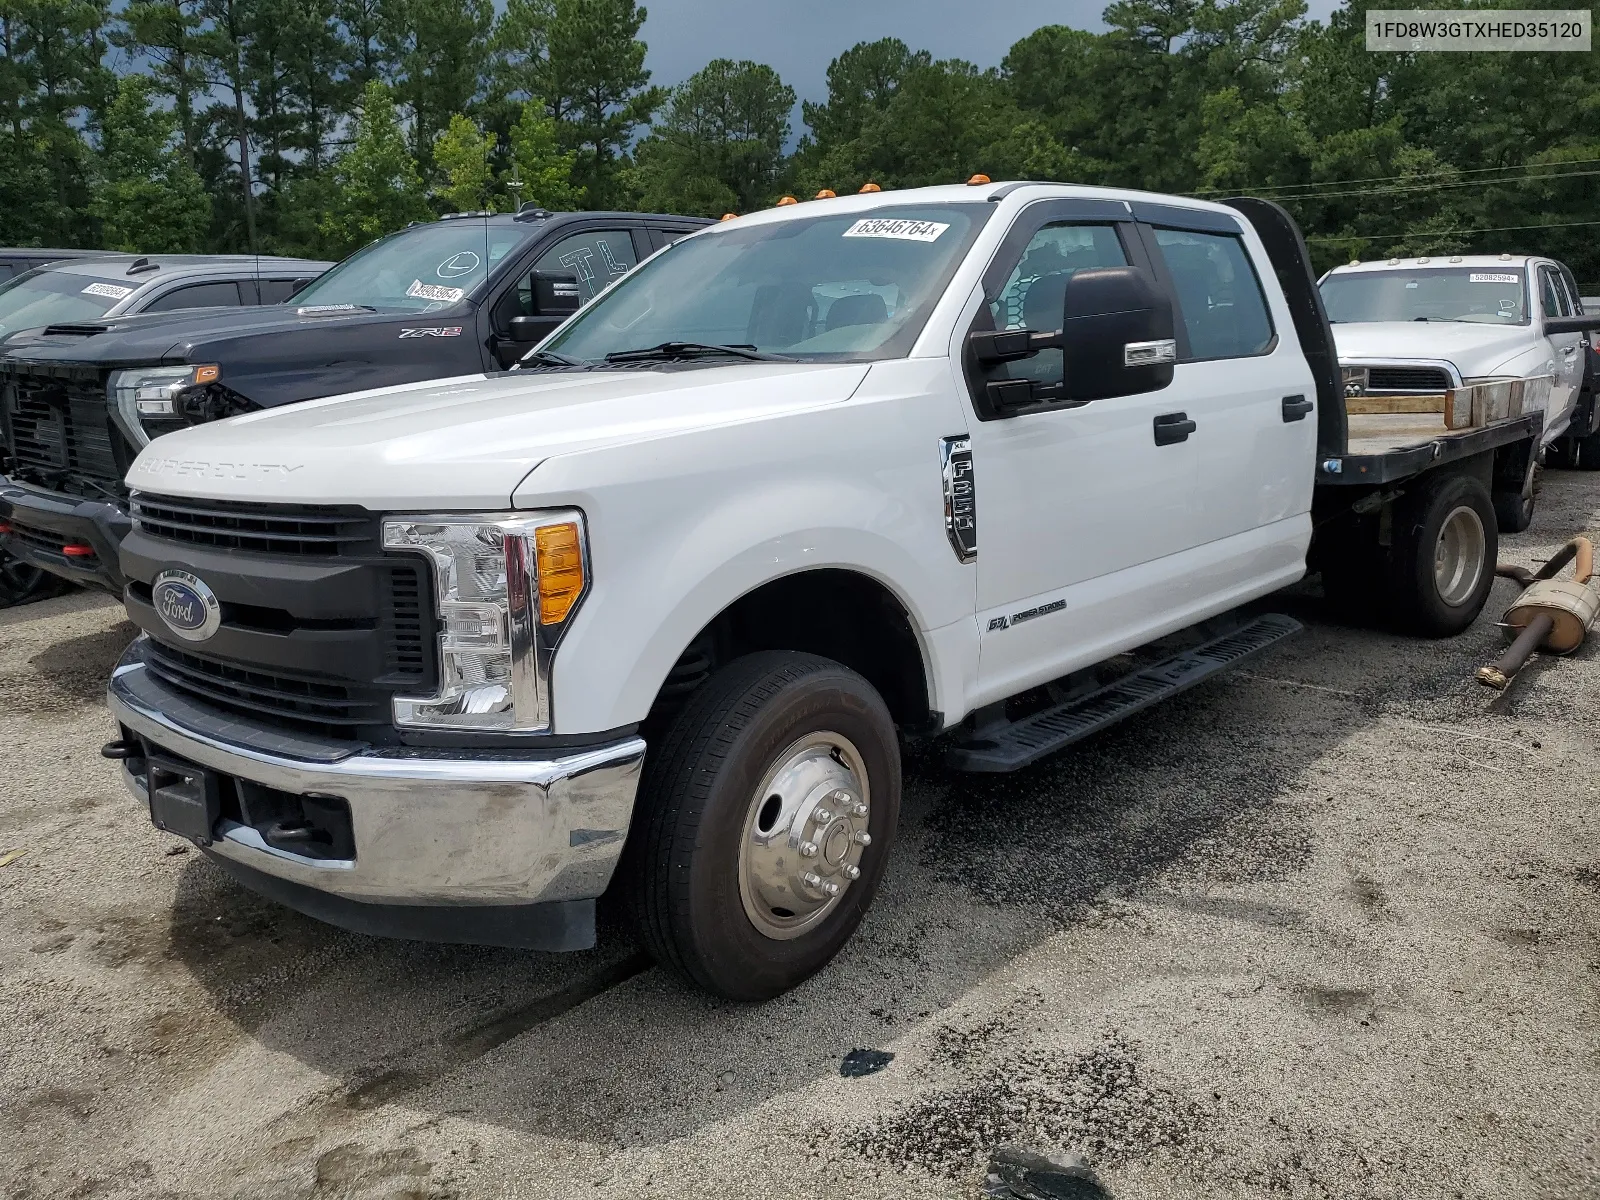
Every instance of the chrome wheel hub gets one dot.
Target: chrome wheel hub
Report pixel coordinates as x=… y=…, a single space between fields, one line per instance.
x=804 y=835
x=1459 y=556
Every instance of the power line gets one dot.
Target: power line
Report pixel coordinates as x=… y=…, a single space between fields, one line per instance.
x=1432 y=187
x=1405 y=237
x=1569 y=162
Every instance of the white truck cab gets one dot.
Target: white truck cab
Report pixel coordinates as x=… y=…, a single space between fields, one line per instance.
x=654 y=612
x=1409 y=331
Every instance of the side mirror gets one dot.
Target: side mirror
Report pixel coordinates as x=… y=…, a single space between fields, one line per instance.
x=1589 y=323
x=1117 y=334
x=555 y=294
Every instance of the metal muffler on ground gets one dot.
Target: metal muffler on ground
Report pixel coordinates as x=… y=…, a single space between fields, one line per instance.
x=1551 y=615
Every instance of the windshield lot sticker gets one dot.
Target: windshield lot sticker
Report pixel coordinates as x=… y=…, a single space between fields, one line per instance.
x=111 y=291
x=432 y=331
x=458 y=265
x=898 y=228
x=432 y=291
x=1492 y=277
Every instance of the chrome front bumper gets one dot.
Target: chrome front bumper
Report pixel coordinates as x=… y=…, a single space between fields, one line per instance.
x=430 y=827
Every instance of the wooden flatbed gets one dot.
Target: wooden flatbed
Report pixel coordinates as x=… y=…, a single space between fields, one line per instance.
x=1386 y=447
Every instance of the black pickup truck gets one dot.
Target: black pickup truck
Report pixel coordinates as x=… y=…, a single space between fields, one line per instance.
x=461 y=296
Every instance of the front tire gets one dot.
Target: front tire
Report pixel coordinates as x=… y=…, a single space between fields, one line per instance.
x=21 y=583
x=765 y=823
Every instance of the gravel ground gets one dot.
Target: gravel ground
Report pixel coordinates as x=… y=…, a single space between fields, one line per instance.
x=1323 y=927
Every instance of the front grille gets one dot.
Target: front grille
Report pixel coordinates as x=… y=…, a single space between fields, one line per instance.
x=301 y=531
x=1381 y=380
x=407 y=642
x=58 y=429
x=296 y=700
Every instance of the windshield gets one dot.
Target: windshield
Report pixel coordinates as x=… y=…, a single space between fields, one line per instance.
x=422 y=269
x=841 y=286
x=44 y=297
x=1482 y=295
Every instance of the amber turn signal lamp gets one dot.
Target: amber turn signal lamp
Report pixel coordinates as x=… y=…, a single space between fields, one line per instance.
x=787 y=200
x=729 y=216
x=207 y=374
x=978 y=180
x=870 y=187
x=826 y=194
x=558 y=555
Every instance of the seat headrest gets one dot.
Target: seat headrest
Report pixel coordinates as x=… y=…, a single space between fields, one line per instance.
x=865 y=309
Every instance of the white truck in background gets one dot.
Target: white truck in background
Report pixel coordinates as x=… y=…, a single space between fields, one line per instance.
x=653 y=613
x=1428 y=343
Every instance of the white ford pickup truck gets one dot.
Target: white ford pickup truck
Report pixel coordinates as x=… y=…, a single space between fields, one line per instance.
x=1416 y=334
x=655 y=612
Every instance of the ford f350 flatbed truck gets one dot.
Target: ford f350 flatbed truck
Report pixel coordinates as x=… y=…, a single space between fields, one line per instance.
x=654 y=612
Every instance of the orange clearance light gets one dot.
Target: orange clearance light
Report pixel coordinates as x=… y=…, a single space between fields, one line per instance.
x=77 y=550
x=729 y=216
x=826 y=194
x=558 y=555
x=977 y=180
x=787 y=200
x=870 y=187
x=209 y=373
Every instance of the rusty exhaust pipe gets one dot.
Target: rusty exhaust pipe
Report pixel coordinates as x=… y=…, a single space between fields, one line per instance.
x=1550 y=615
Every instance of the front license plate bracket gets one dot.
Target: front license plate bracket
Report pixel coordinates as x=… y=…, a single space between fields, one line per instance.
x=184 y=799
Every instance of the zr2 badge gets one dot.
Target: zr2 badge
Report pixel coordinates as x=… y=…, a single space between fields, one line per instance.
x=432 y=331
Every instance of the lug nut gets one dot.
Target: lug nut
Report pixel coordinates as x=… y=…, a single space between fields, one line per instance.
x=811 y=879
x=859 y=808
x=808 y=849
x=863 y=838
x=822 y=816
x=850 y=872
x=831 y=888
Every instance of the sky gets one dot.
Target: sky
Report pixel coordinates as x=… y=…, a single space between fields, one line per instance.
x=798 y=39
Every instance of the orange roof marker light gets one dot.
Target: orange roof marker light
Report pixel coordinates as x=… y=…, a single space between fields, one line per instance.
x=787 y=200
x=826 y=194
x=870 y=187
x=978 y=181
x=729 y=216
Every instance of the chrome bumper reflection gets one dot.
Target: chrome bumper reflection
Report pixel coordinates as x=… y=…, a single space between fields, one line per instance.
x=430 y=827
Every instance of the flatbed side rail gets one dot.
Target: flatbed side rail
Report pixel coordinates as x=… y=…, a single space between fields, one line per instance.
x=1364 y=470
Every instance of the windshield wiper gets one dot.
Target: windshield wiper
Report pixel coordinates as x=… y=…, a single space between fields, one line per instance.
x=549 y=358
x=668 y=351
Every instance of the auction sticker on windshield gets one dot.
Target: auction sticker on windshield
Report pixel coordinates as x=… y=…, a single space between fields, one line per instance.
x=111 y=291
x=900 y=228
x=1492 y=277
x=432 y=291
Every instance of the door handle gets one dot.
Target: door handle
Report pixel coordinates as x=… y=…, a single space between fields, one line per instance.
x=1295 y=408
x=1569 y=352
x=1173 y=427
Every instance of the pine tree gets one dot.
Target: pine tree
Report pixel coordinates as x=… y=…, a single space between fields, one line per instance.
x=376 y=185
x=461 y=153
x=539 y=167
x=149 y=198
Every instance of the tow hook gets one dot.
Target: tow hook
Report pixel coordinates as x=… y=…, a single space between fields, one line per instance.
x=1552 y=615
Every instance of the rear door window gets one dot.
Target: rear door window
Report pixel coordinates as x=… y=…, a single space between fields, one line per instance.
x=1222 y=305
x=197 y=295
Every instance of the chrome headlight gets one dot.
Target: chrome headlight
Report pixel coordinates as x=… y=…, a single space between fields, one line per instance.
x=507 y=586
x=151 y=394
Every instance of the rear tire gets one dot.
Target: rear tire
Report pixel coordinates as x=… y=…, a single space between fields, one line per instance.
x=21 y=583
x=1443 y=556
x=1587 y=452
x=775 y=753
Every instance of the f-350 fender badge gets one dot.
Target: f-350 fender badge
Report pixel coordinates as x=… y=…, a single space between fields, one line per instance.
x=960 y=496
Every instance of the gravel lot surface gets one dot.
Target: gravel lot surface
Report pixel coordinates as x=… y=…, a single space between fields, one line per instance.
x=1323 y=927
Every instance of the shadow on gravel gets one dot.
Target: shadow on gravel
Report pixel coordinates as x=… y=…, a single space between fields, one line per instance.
x=1205 y=791
x=67 y=675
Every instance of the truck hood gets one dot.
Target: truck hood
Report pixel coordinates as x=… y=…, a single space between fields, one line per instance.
x=1474 y=349
x=189 y=335
x=466 y=443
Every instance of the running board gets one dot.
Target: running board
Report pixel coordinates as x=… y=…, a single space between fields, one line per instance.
x=1016 y=744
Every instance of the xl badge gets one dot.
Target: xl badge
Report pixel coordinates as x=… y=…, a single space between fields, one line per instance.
x=186 y=605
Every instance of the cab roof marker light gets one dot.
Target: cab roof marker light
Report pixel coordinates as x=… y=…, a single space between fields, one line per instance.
x=826 y=194
x=870 y=187
x=785 y=201
x=730 y=216
x=979 y=181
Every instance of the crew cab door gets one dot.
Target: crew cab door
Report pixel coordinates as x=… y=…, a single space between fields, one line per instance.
x=1078 y=506
x=1249 y=390
x=1566 y=349
x=596 y=256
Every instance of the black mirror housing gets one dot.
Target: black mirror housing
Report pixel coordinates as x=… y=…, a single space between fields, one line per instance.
x=1117 y=334
x=555 y=294
x=1589 y=323
x=529 y=329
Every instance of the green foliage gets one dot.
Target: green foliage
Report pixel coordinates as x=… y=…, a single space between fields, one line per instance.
x=540 y=170
x=376 y=185
x=719 y=146
x=461 y=154
x=149 y=198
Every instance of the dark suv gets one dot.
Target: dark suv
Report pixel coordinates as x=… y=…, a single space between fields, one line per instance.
x=459 y=296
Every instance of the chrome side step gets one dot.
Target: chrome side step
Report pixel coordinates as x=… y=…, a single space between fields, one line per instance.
x=1009 y=746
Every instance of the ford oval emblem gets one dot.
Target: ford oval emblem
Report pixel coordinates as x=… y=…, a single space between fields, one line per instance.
x=186 y=605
